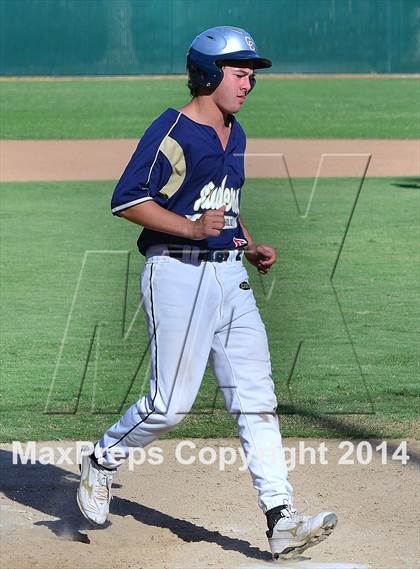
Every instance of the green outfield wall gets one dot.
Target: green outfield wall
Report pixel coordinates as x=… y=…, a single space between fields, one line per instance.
x=131 y=37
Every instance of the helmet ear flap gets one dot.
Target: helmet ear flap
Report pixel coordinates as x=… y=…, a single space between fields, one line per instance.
x=252 y=81
x=200 y=76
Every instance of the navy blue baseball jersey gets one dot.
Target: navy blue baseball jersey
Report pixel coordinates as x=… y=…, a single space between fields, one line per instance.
x=181 y=165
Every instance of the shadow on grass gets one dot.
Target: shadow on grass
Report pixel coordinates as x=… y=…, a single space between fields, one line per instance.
x=411 y=183
x=338 y=429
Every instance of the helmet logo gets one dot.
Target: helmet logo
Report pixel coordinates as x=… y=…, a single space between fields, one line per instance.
x=250 y=43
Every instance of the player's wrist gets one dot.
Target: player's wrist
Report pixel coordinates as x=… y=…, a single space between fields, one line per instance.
x=251 y=253
x=191 y=230
x=251 y=248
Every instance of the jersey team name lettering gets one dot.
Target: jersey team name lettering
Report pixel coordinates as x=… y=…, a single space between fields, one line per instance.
x=213 y=197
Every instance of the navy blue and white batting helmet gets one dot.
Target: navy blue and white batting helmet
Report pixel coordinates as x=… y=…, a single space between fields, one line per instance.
x=218 y=45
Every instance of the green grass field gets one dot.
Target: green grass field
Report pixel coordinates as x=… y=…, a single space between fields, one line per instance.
x=288 y=108
x=357 y=365
x=47 y=227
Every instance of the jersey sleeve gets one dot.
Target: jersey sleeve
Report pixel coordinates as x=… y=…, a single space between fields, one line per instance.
x=146 y=173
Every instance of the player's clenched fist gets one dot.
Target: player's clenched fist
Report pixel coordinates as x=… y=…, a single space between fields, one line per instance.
x=210 y=224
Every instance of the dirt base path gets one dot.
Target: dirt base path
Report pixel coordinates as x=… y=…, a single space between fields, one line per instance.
x=42 y=160
x=176 y=516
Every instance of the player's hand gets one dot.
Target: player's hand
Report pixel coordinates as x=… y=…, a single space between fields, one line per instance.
x=210 y=224
x=261 y=256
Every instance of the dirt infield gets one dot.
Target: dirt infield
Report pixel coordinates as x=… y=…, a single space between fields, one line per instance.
x=176 y=516
x=60 y=160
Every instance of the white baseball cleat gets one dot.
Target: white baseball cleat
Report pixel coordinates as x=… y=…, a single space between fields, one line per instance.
x=294 y=533
x=94 y=493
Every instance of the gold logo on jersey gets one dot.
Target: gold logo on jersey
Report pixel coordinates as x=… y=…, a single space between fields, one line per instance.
x=244 y=286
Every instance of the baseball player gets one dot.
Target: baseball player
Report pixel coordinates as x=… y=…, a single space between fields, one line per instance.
x=183 y=185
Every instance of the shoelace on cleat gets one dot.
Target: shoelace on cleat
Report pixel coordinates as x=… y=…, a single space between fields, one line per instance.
x=295 y=515
x=102 y=489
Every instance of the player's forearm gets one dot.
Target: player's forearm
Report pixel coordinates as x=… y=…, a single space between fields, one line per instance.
x=151 y=215
x=247 y=235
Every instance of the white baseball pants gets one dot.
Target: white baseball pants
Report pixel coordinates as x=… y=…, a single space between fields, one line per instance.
x=196 y=312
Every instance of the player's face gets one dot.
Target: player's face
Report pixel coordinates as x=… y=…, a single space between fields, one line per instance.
x=232 y=91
